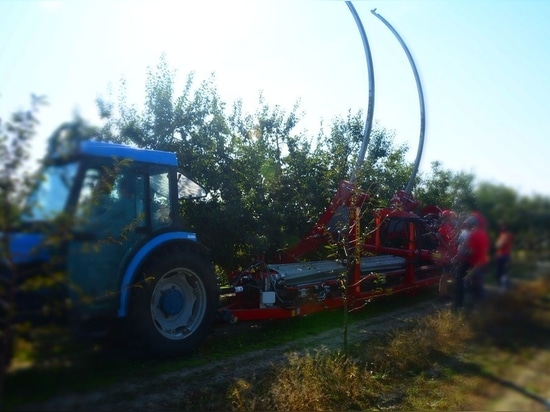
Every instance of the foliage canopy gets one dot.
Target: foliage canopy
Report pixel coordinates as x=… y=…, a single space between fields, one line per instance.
x=268 y=182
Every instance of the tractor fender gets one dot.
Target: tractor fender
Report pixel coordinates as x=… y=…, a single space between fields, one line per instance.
x=142 y=254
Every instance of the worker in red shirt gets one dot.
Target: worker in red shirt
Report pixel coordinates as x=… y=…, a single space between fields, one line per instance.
x=473 y=258
x=479 y=244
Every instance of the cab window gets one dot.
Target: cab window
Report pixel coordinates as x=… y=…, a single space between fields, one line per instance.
x=159 y=183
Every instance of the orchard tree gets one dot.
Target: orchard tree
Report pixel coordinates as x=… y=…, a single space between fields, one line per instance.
x=436 y=188
x=240 y=158
x=386 y=168
x=500 y=204
x=267 y=183
x=16 y=136
x=20 y=297
x=69 y=134
x=532 y=227
x=448 y=189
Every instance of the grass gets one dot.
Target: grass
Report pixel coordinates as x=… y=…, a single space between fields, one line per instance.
x=447 y=361
x=48 y=360
x=397 y=371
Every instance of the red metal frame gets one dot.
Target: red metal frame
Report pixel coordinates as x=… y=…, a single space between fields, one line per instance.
x=346 y=195
x=420 y=269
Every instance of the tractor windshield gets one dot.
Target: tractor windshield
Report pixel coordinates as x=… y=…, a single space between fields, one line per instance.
x=49 y=198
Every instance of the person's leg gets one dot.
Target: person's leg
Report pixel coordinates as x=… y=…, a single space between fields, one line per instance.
x=459 y=285
x=476 y=282
x=444 y=281
x=504 y=279
x=476 y=289
x=500 y=267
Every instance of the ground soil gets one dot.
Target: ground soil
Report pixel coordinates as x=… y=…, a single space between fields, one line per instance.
x=165 y=392
x=530 y=388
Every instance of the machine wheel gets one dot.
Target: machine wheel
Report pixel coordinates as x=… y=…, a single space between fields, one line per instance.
x=174 y=304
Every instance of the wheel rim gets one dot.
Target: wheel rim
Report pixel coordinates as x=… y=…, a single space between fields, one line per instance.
x=178 y=303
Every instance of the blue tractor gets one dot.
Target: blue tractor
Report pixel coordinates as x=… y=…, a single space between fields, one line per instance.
x=126 y=254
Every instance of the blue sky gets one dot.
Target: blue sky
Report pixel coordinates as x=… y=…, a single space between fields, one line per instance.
x=484 y=67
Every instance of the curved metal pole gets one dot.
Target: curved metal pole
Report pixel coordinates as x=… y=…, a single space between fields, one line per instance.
x=410 y=184
x=370 y=110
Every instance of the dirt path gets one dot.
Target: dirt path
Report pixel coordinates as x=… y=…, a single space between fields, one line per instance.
x=164 y=392
x=525 y=387
x=529 y=390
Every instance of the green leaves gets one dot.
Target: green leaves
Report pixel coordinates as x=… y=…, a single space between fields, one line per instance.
x=15 y=139
x=268 y=182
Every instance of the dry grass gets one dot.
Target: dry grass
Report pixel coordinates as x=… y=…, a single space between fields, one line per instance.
x=447 y=361
x=322 y=381
x=416 y=348
x=516 y=319
x=384 y=373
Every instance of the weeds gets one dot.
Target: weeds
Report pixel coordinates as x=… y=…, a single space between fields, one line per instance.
x=374 y=376
x=446 y=361
x=321 y=381
x=421 y=367
x=516 y=318
x=415 y=348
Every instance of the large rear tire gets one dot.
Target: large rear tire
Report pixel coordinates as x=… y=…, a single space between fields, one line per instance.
x=174 y=303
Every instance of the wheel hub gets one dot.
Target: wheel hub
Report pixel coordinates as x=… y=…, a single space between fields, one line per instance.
x=171 y=302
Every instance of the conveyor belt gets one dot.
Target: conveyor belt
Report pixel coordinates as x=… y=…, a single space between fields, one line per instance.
x=320 y=271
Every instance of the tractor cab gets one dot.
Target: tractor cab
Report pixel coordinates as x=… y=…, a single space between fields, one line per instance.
x=97 y=177
x=93 y=206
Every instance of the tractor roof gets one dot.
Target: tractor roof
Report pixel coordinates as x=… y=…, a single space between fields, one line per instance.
x=103 y=149
x=110 y=150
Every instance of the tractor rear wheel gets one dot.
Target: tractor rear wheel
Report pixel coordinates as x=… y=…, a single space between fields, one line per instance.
x=175 y=304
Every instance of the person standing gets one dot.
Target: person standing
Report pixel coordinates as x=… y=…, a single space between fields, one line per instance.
x=460 y=261
x=503 y=252
x=478 y=244
x=473 y=258
x=448 y=249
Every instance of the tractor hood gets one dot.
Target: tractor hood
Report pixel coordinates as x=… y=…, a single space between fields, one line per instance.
x=25 y=248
